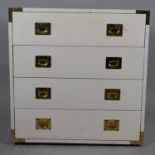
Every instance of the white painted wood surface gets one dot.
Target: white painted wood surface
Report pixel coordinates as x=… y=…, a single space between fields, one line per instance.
x=77 y=94
x=78 y=62
x=11 y=75
x=77 y=141
x=145 y=73
x=78 y=46
x=75 y=10
x=78 y=124
x=87 y=29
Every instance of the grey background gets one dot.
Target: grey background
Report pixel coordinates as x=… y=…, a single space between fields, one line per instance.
x=6 y=147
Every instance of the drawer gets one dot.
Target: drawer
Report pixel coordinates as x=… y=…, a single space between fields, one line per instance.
x=90 y=29
x=53 y=93
x=78 y=62
x=77 y=124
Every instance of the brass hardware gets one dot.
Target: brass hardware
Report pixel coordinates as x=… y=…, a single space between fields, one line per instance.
x=111 y=125
x=10 y=12
x=14 y=139
x=112 y=94
x=140 y=141
x=147 y=12
x=113 y=62
x=43 y=28
x=114 y=29
x=43 y=61
x=43 y=93
x=43 y=123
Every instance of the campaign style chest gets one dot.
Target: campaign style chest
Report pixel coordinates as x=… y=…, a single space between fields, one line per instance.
x=78 y=75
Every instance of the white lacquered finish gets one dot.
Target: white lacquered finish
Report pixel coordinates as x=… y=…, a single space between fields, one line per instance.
x=70 y=10
x=77 y=94
x=77 y=141
x=11 y=76
x=78 y=47
x=78 y=62
x=87 y=29
x=75 y=124
x=145 y=72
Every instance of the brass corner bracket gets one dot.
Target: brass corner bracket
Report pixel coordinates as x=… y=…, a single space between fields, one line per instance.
x=11 y=10
x=147 y=12
x=140 y=141
x=14 y=139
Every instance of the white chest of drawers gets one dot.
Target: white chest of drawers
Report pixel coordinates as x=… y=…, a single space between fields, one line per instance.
x=78 y=75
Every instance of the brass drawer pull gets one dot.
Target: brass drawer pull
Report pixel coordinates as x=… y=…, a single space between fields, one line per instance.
x=43 y=61
x=111 y=125
x=113 y=62
x=43 y=28
x=114 y=29
x=43 y=123
x=43 y=93
x=112 y=94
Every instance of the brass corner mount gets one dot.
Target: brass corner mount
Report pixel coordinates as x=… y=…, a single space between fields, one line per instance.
x=140 y=141
x=16 y=140
x=10 y=12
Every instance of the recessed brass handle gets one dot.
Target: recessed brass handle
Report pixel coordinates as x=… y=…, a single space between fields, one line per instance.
x=111 y=125
x=113 y=62
x=43 y=123
x=114 y=29
x=112 y=94
x=42 y=28
x=43 y=93
x=43 y=61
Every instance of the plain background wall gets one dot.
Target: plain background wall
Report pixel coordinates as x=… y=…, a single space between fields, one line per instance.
x=6 y=147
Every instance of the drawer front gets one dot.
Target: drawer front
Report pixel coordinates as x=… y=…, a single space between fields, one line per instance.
x=77 y=124
x=77 y=94
x=78 y=62
x=94 y=29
